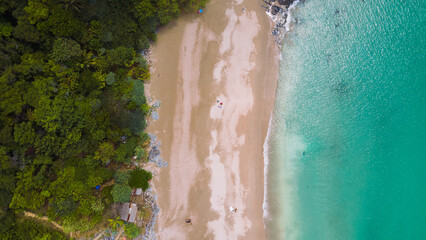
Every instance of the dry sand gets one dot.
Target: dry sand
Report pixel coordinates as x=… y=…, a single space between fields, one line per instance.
x=215 y=154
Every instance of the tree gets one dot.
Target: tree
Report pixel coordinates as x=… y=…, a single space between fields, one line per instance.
x=143 y=9
x=121 y=193
x=27 y=194
x=4 y=163
x=75 y=5
x=110 y=78
x=120 y=56
x=65 y=50
x=62 y=23
x=26 y=229
x=26 y=31
x=7 y=220
x=5 y=29
x=105 y=152
x=81 y=224
x=126 y=150
x=168 y=10
x=139 y=178
x=132 y=230
x=192 y=5
x=140 y=152
x=115 y=223
x=97 y=205
x=24 y=133
x=71 y=98
x=93 y=35
x=137 y=94
x=37 y=10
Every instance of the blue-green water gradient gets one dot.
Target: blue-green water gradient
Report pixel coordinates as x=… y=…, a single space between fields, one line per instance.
x=348 y=143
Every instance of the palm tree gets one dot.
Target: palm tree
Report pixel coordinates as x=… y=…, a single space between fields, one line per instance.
x=88 y=59
x=115 y=223
x=75 y=5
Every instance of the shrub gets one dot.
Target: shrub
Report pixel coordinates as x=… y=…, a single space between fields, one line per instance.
x=121 y=193
x=145 y=138
x=106 y=193
x=139 y=179
x=140 y=152
x=105 y=174
x=125 y=150
x=121 y=177
x=143 y=43
x=145 y=109
x=97 y=206
x=25 y=229
x=132 y=230
x=138 y=93
x=72 y=225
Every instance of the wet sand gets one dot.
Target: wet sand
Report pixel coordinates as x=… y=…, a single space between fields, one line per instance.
x=215 y=152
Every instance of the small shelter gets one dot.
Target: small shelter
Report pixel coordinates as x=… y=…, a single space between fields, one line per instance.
x=128 y=212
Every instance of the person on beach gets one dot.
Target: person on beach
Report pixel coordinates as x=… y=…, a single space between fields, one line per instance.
x=188 y=220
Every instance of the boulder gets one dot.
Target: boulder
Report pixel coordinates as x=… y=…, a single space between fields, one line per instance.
x=286 y=3
x=275 y=10
x=154 y=153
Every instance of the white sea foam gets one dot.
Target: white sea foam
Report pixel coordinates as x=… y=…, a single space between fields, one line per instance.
x=289 y=18
x=265 y=172
x=282 y=20
x=276 y=19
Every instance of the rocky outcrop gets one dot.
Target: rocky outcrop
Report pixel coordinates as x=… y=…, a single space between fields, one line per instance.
x=151 y=201
x=286 y=3
x=279 y=13
x=154 y=153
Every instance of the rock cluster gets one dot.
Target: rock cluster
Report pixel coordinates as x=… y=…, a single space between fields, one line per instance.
x=154 y=107
x=151 y=209
x=151 y=201
x=154 y=153
x=278 y=11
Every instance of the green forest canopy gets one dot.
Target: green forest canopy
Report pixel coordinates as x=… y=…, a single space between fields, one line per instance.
x=71 y=102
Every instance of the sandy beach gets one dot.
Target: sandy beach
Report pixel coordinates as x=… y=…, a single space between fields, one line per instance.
x=215 y=74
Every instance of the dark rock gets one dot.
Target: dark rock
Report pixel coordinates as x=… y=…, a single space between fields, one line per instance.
x=156 y=104
x=154 y=153
x=286 y=3
x=275 y=10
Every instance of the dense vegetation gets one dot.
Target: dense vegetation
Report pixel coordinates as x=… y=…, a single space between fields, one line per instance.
x=24 y=229
x=72 y=105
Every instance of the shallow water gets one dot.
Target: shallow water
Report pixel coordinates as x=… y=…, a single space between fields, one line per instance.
x=347 y=147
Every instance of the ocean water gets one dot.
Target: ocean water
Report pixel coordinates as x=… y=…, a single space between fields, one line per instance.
x=347 y=141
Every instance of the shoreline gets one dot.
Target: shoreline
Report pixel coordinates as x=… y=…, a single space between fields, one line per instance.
x=214 y=152
x=266 y=161
x=282 y=20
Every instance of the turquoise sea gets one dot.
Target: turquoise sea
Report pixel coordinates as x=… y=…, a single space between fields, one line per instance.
x=347 y=141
